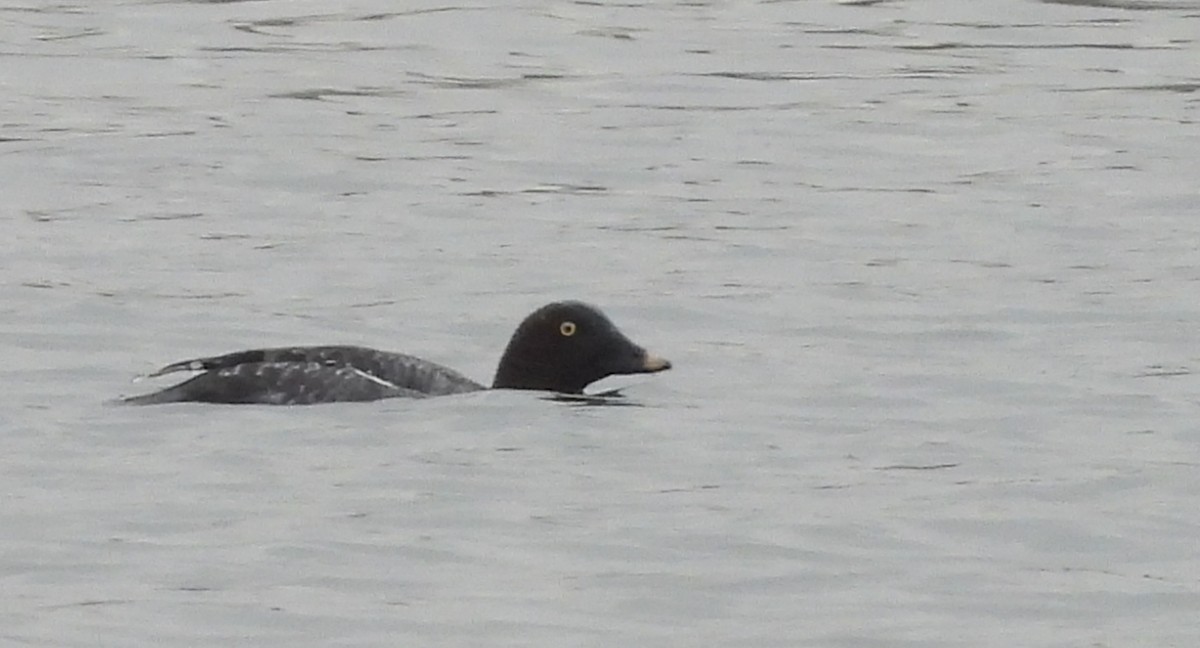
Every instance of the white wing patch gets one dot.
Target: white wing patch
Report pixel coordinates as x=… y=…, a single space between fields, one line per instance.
x=374 y=379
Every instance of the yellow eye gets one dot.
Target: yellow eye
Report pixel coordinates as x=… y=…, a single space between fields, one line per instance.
x=567 y=328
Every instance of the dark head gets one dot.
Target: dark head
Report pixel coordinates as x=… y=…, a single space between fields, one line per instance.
x=565 y=346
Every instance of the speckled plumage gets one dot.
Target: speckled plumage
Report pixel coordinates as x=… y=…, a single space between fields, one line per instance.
x=306 y=375
x=544 y=353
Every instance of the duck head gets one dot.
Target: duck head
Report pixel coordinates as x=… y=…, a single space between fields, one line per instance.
x=565 y=346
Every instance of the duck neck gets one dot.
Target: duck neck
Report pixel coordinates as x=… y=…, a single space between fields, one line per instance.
x=515 y=373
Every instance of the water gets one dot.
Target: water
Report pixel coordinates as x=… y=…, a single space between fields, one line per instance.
x=927 y=272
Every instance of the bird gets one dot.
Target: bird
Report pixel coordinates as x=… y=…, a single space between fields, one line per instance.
x=561 y=347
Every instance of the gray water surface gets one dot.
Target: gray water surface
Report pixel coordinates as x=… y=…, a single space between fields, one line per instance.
x=928 y=273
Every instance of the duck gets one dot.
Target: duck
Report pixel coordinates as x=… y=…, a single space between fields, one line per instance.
x=561 y=347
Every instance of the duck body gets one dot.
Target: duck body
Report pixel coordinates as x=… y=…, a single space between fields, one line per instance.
x=307 y=375
x=563 y=347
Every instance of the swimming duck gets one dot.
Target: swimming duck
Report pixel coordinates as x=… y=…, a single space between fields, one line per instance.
x=561 y=347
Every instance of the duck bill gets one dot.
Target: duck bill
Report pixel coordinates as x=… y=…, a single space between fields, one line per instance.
x=641 y=361
x=633 y=359
x=652 y=363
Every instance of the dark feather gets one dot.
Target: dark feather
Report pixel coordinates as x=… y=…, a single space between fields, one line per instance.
x=561 y=347
x=304 y=375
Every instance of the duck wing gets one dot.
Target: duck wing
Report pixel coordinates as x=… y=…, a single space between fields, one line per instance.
x=306 y=375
